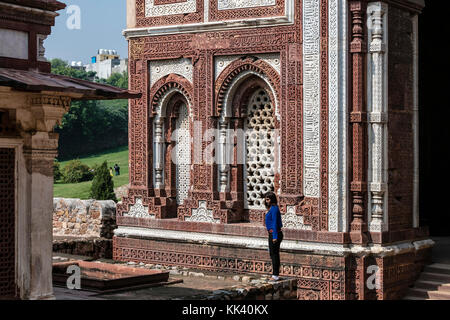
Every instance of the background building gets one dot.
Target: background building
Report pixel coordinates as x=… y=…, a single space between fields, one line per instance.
x=107 y=62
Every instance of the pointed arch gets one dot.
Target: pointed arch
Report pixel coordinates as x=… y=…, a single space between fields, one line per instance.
x=164 y=88
x=235 y=74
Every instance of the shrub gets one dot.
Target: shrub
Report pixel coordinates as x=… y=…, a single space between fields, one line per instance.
x=103 y=186
x=56 y=171
x=76 y=171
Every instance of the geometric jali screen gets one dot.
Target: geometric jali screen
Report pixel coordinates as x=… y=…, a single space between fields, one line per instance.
x=260 y=148
x=7 y=223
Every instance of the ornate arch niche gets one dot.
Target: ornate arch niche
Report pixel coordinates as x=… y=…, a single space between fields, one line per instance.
x=247 y=102
x=171 y=140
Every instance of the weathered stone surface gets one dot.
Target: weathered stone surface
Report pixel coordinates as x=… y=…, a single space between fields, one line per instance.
x=84 y=218
x=95 y=248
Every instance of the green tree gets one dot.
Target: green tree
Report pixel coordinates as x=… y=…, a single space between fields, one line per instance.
x=57 y=175
x=119 y=80
x=76 y=171
x=103 y=186
x=61 y=67
x=92 y=126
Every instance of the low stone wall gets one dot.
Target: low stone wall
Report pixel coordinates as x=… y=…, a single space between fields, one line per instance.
x=99 y=248
x=84 y=218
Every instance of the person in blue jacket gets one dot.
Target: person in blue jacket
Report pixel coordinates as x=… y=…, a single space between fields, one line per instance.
x=274 y=224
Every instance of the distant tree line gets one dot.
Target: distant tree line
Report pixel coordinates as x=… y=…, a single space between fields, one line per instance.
x=92 y=126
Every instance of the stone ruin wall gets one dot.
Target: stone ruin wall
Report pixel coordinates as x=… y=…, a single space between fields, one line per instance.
x=84 y=218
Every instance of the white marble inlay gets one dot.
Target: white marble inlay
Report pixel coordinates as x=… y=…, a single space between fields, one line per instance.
x=239 y=4
x=138 y=210
x=311 y=97
x=337 y=116
x=261 y=243
x=161 y=68
x=377 y=98
x=152 y=10
x=183 y=155
x=293 y=221
x=202 y=214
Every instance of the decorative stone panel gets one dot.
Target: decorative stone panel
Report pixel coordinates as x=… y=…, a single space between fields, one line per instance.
x=202 y=214
x=292 y=220
x=260 y=150
x=138 y=210
x=239 y=4
x=183 y=155
x=161 y=68
x=311 y=97
x=184 y=7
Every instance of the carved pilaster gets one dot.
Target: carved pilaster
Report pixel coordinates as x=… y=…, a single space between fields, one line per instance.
x=39 y=152
x=40 y=47
x=358 y=123
x=159 y=153
x=223 y=159
x=376 y=15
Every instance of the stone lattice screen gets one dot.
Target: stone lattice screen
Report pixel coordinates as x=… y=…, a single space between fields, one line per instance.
x=84 y=218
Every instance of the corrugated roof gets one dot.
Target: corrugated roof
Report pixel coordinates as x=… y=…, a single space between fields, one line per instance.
x=32 y=81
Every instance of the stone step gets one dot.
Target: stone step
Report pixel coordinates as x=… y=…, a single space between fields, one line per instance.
x=433 y=285
x=426 y=294
x=432 y=276
x=441 y=268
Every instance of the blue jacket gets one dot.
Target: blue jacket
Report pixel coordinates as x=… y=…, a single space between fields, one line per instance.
x=273 y=221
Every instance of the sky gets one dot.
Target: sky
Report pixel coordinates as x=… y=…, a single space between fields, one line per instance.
x=99 y=25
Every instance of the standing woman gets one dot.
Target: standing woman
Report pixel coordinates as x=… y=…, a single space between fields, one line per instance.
x=274 y=225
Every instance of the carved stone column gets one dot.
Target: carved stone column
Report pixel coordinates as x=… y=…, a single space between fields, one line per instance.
x=376 y=13
x=224 y=164
x=358 y=120
x=40 y=147
x=40 y=151
x=159 y=153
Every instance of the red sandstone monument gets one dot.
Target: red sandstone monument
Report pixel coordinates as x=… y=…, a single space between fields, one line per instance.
x=332 y=84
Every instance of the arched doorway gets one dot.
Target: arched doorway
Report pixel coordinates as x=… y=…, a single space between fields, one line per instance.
x=172 y=148
x=249 y=111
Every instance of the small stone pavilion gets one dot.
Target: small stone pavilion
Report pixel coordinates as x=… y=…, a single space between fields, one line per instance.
x=333 y=87
x=32 y=101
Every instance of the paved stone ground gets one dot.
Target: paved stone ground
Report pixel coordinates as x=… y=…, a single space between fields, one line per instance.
x=193 y=283
x=191 y=286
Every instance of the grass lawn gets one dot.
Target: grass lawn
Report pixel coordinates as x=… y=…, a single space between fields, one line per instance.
x=81 y=190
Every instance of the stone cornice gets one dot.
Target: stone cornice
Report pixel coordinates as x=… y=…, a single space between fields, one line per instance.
x=10 y=11
x=207 y=27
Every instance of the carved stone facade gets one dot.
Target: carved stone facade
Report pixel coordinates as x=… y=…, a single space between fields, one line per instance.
x=313 y=73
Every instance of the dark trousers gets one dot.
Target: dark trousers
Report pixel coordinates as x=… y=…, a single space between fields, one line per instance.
x=274 y=249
